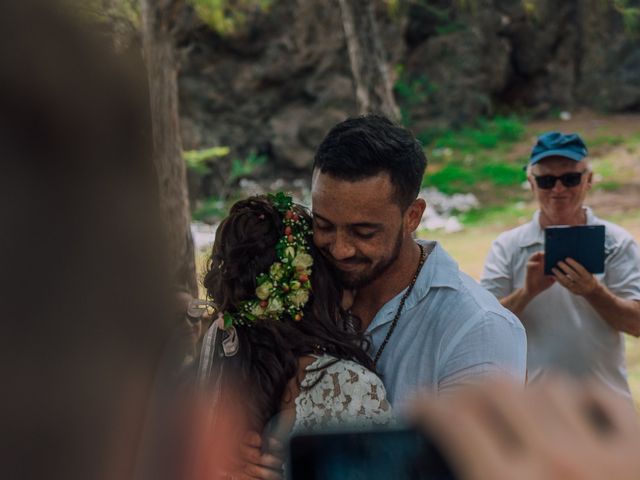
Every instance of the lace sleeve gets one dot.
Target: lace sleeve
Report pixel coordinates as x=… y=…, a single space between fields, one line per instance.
x=342 y=394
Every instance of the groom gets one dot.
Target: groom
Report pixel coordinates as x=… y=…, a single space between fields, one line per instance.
x=432 y=327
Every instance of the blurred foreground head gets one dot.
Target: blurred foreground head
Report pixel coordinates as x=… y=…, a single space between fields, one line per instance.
x=82 y=324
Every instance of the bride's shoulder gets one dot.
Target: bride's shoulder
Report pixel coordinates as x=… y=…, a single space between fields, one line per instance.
x=347 y=371
x=336 y=392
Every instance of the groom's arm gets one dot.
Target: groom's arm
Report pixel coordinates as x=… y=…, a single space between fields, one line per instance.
x=493 y=345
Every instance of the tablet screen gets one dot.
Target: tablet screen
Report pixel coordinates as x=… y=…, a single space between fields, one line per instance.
x=583 y=243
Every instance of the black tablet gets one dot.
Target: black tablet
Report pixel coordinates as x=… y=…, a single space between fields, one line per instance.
x=583 y=243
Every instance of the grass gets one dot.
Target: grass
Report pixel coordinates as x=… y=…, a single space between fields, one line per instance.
x=474 y=157
x=501 y=216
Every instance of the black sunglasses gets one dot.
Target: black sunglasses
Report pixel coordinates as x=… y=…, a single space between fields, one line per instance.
x=571 y=179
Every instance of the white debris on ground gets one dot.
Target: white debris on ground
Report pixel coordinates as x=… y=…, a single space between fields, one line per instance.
x=442 y=209
x=441 y=212
x=565 y=116
x=203 y=235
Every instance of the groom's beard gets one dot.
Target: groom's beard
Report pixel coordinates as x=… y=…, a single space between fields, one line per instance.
x=371 y=270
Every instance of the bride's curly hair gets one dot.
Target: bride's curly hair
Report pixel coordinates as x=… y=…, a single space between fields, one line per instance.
x=269 y=349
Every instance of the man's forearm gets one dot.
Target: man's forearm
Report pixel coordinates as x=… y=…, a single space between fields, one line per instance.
x=517 y=301
x=621 y=314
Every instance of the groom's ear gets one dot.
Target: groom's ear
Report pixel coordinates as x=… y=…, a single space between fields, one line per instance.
x=413 y=214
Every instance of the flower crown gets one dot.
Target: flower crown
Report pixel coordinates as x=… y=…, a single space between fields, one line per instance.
x=286 y=287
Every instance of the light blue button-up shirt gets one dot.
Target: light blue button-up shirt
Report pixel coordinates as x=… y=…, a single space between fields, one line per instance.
x=451 y=332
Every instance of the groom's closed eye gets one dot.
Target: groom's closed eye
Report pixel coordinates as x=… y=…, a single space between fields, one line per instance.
x=322 y=225
x=365 y=233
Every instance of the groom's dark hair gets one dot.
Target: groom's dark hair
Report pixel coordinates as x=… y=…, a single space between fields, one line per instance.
x=365 y=146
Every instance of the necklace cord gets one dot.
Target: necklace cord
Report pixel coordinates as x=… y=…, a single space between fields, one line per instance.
x=406 y=294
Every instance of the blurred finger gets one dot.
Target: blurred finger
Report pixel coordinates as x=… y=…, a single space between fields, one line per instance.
x=579 y=269
x=537 y=257
x=470 y=447
x=610 y=411
x=275 y=446
x=562 y=278
x=255 y=456
x=263 y=473
x=564 y=405
x=568 y=271
x=508 y=412
x=253 y=439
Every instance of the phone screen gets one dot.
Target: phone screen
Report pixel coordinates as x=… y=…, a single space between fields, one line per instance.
x=372 y=455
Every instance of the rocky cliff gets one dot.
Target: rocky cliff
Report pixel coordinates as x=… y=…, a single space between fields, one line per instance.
x=284 y=80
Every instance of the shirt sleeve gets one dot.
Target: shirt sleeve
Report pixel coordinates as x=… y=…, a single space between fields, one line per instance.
x=622 y=275
x=494 y=346
x=496 y=275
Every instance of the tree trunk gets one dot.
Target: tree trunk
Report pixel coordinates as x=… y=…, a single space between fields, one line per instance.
x=374 y=92
x=158 y=17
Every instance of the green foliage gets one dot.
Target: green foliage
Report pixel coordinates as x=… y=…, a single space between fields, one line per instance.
x=604 y=167
x=411 y=91
x=452 y=178
x=115 y=11
x=463 y=177
x=608 y=186
x=605 y=140
x=630 y=16
x=228 y=172
x=197 y=159
x=502 y=173
x=211 y=208
x=469 y=157
x=395 y=8
x=245 y=167
x=486 y=134
x=228 y=17
x=508 y=214
x=529 y=7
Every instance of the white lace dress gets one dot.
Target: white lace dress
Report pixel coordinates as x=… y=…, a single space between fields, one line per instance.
x=343 y=394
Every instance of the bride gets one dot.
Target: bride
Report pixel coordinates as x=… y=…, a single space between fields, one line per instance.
x=282 y=344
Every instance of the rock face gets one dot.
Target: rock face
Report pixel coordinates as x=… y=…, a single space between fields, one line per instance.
x=280 y=85
x=275 y=90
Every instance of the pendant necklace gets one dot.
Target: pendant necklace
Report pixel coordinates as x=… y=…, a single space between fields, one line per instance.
x=406 y=294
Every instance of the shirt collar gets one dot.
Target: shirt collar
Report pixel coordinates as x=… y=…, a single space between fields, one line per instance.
x=439 y=270
x=533 y=234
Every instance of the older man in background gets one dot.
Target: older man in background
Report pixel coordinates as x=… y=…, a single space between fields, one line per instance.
x=574 y=319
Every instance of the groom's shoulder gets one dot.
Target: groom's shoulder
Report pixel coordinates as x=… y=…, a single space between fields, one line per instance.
x=463 y=300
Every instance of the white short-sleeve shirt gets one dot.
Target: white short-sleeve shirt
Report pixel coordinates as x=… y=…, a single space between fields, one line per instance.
x=564 y=333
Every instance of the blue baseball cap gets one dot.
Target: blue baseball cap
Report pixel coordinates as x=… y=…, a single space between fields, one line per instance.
x=556 y=144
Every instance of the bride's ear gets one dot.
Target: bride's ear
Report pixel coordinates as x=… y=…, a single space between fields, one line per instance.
x=413 y=214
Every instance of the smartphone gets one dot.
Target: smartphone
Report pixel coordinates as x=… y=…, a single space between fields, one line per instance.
x=400 y=453
x=583 y=243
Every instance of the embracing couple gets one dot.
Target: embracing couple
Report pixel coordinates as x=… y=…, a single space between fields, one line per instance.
x=337 y=316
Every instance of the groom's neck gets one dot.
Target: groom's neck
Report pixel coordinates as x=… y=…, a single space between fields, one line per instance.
x=372 y=297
